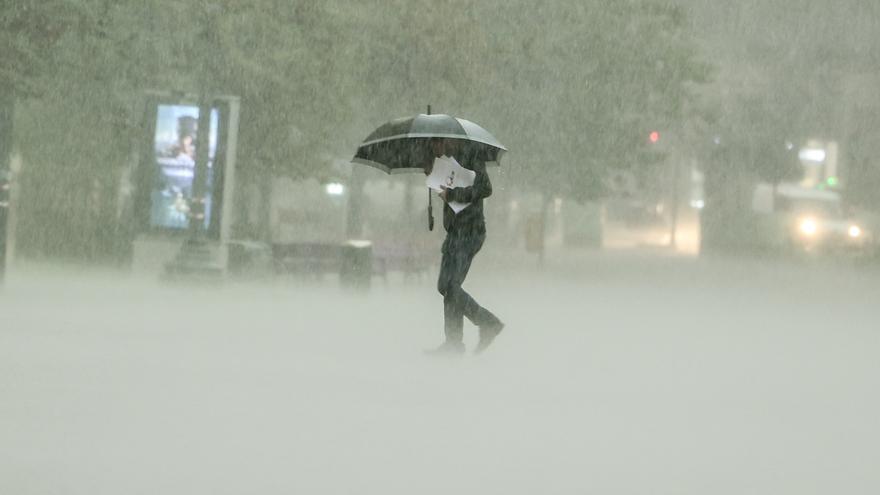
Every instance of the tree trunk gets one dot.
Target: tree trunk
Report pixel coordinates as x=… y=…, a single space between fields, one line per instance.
x=354 y=224
x=264 y=219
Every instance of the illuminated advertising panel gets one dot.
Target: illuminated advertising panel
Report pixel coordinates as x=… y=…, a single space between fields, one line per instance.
x=174 y=150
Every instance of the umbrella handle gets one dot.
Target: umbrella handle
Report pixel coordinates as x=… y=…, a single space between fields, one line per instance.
x=430 y=212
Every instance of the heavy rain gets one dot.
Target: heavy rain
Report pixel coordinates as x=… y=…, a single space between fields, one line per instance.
x=425 y=246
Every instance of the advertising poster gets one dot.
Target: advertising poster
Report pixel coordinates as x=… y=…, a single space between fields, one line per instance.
x=175 y=145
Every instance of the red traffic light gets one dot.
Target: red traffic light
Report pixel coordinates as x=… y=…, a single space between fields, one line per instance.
x=654 y=136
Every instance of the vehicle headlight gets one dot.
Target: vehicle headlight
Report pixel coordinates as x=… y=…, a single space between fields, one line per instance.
x=855 y=231
x=808 y=226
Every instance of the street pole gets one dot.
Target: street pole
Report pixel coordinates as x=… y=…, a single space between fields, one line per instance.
x=203 y=137
x=195 y=255
x=200 y=177
x=674 y=207
x=7 y=107
x=5 y=187
x=430 y=202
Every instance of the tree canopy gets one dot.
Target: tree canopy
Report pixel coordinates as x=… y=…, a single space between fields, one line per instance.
x=573 y=88
x=593 y=77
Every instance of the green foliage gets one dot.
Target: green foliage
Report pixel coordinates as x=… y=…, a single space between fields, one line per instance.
x=785 y=74
x=571 y=87
x=599 y=77
x=593 y=77
x=760 y=131
x=29 y=30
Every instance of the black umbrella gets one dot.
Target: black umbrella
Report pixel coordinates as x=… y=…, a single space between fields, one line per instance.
x=402 y=145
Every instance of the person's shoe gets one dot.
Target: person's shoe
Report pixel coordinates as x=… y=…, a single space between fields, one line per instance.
x=487 y=335
x=447 y=349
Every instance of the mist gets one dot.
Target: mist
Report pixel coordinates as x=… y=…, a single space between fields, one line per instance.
x=203 y=290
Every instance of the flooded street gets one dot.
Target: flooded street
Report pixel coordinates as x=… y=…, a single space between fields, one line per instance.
x=625 y=374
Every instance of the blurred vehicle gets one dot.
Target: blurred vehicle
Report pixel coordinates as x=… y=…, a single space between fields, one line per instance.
x=634 y=223
x=799 y=220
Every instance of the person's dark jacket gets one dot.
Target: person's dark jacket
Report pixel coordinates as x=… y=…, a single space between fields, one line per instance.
x=469 y=221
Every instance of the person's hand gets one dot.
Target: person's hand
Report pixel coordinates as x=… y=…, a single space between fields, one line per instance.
x=442 y=194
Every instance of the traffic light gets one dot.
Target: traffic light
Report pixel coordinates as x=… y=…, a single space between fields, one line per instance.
x=654 y=137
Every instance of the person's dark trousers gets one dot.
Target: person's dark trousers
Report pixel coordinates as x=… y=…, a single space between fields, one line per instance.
x=458 y=253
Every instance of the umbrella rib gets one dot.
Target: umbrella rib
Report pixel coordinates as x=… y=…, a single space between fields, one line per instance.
x=432 y=135
x=371 y=163
x=385 y=168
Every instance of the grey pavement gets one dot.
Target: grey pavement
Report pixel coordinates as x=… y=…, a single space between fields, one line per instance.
x=619 y=373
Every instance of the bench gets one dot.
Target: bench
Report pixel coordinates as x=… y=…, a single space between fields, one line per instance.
x=318 y=259
x=307 y=258
x=410 y=260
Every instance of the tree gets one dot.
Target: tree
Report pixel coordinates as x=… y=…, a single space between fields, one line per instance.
x=571 y=88
x=77 y=125
x=594 y=80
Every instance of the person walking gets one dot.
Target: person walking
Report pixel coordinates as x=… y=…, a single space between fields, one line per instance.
x=465 y=235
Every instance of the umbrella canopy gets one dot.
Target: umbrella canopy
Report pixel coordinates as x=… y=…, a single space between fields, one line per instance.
x=402 y=145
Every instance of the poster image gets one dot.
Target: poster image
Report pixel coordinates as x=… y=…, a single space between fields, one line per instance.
x=174 y=146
